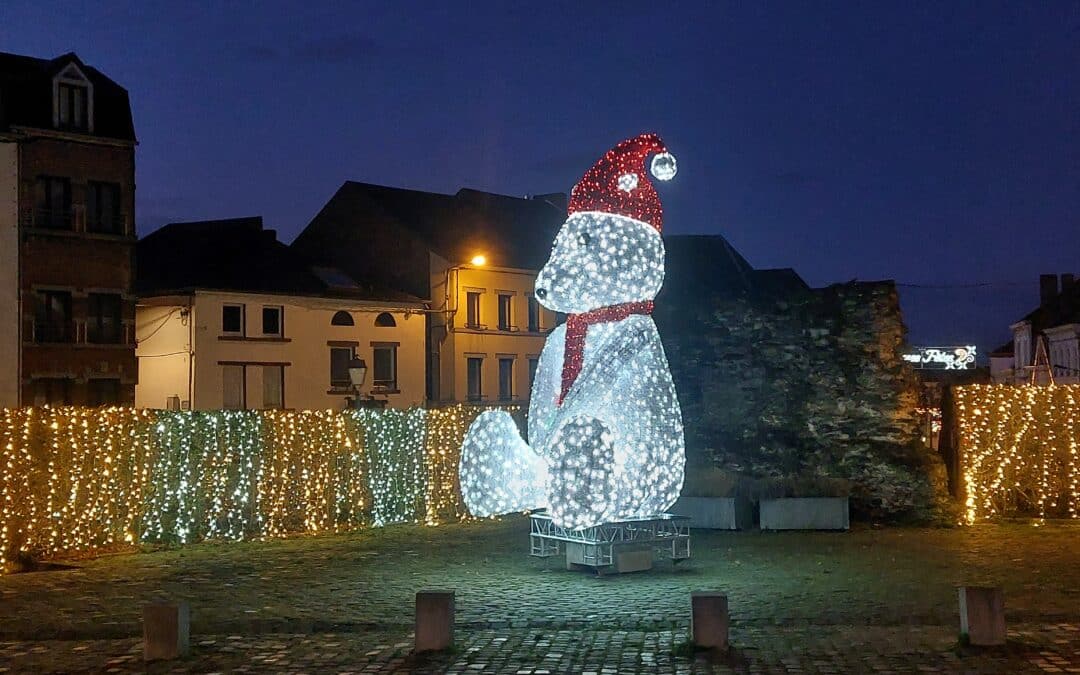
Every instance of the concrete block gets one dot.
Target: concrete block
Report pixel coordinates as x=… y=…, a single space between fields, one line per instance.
x=805 y=513
x=434 y=620
x=633 y=560
x=982 y=615
x=716 y=513
x=166 y=630
x=709 y=620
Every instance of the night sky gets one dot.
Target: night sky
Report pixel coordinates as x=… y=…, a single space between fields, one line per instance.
x=935 y=144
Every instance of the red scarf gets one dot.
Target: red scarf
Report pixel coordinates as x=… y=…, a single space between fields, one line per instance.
x=577 y=327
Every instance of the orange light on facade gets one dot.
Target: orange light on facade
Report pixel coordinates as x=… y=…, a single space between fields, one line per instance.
x=479 y=260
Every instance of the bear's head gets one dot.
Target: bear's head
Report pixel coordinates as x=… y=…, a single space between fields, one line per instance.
x=609 y=251
x=601 y=259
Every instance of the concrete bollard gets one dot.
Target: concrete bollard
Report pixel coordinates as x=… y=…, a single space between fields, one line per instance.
x=166 y=630
x=709 y=620
x=434 y=620
x=982 y=615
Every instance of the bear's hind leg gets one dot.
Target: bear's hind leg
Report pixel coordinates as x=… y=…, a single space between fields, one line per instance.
x=581 y=480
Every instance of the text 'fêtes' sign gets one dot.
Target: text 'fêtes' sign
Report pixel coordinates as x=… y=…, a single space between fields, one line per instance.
x=942 y=358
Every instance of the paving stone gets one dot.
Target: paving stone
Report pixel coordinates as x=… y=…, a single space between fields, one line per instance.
x=343 y=603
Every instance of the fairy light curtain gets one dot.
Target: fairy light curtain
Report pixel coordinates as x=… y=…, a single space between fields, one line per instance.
x=79 y=479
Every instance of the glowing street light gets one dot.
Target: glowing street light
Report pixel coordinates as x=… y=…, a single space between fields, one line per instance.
x=479 y=260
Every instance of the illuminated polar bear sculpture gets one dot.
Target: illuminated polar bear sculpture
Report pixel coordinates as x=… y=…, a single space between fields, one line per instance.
x=605 y=430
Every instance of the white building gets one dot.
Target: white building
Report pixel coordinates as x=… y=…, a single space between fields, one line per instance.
x=229 y=318
x=1053 y=326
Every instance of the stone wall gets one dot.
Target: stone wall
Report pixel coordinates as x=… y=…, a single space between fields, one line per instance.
x=804 y=385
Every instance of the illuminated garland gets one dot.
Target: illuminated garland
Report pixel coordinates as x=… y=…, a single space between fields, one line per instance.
x=1019 y=450
x=78 y=479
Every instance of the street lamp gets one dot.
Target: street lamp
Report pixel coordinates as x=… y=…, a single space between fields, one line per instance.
x=357 y=372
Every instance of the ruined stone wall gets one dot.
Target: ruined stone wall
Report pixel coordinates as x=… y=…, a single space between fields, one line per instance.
x=810 y=385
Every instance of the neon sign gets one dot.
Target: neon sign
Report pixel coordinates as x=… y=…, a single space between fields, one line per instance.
x=942 y=358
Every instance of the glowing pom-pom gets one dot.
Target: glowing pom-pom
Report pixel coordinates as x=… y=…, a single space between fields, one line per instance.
x=664 y=166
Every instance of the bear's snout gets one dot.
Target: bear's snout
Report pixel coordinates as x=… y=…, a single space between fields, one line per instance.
x=541 y=293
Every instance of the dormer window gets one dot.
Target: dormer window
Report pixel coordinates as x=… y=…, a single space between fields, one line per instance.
x=73 y=96
x=72 y=107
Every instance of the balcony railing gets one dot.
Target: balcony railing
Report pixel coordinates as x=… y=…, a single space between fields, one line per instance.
x=52 y=219
x=109 y=224
x=103 y=335
x=54 y=331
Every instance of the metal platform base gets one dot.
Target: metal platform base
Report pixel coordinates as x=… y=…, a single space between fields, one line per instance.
x=625 y=546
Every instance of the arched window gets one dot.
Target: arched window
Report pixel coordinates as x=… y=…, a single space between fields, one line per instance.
x=385 y=320
x=342 y=318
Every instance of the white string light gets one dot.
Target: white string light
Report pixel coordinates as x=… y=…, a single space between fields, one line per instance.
x=605 y=434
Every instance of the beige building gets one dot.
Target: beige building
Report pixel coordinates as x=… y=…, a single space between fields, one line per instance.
x=10 y=357
x=249 y=327
x=473 y=256
x=489 y=330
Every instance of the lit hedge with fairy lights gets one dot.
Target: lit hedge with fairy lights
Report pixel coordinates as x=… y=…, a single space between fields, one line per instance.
x=1018 y=447
x=79 y=479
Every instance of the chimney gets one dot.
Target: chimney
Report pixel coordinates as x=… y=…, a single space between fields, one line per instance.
x=1048 y=288
x=1067 y=281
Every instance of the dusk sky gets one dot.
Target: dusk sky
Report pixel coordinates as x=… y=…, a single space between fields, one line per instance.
x=931 y=143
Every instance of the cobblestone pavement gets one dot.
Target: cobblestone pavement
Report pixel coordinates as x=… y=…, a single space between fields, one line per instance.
x=818 y=649
x=870 y=600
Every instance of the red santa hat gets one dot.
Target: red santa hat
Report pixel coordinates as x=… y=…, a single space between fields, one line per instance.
x=618 y=184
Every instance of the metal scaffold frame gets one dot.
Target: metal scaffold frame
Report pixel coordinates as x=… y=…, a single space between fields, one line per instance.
x=600 y=543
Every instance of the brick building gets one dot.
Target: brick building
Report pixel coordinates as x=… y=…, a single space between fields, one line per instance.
x=67 y=234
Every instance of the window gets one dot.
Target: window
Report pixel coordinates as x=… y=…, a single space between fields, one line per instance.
x=273 y=386
x=343 y=318
x=506 y=379
x=475 y=390
x=102 y=392
x=533 y=362
x=103 y=208
x=233 y=388
x=339 y=367
x=472 y=309
x=232 y=320
x=385 y=366
x=71 y=106
x=103 y=318
x=271 y=321
x=53 y=321
x=534 y=315
x=53 y=203
x=385 y=320
x=52 y=391
x=504 y=311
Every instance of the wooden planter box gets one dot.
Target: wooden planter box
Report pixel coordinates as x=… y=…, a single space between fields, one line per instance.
x=805 y=513
x=716 y=513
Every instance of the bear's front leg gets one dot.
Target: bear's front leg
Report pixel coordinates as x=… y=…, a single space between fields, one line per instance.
x=499 y=472
x=581 y=478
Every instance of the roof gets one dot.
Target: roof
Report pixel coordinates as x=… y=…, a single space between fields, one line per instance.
x=1062 y=309
x=1006 y=349
x=26 y=95
x=237 y=254
x=709 y=264
x=509 y=231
